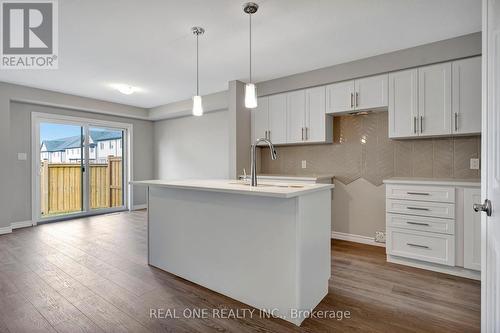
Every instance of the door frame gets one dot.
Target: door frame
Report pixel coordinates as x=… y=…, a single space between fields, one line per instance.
x=86 y=123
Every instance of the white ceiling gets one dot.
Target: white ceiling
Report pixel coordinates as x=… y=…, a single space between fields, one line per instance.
x=148 y=44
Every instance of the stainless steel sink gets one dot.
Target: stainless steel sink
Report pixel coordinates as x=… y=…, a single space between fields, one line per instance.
x=269 y=185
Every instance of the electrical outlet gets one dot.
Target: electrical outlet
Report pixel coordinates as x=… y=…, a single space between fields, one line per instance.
x=379 y=236
x=474 y=163
x=304 y=164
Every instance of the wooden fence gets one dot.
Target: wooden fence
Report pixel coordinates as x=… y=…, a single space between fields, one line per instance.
x=61 y=186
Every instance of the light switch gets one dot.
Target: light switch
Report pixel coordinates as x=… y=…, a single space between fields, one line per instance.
x=304 y=164
x=21 y=156
x=474 y=163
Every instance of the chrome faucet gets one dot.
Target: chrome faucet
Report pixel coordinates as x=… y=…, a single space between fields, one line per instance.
x=274 y=156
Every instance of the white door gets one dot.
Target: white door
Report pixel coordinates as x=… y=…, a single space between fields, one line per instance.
x=296 y=109
x=371 y=92
x=490 y=172
x=466 y=104
x=340 y=97
x=277 y=119
x=260 y=121
x=472 y=230
x=434 y=99
x=403 y=104
x=315 y=114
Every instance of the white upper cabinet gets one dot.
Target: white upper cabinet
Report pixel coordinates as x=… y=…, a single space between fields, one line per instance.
x=340 y=97
x=434 y=99
x=370 y=92
x=403 y=103
x=260 y=119
x=277 y=119
x=296 y=112
x=466 y=96
x=360 y=94
x=316 y=119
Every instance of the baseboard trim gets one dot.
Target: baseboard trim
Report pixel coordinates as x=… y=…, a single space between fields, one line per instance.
x=5 y=230
x=452 y=270
x=21 y=224
x=356 y=238
x=139 y=207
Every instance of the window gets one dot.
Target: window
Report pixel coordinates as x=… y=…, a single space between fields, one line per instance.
x=110 y=144
x=91 y=150
x=101 y=144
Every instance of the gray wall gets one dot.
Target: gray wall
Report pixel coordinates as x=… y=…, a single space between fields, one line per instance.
x=20 y=141
x=441 y=51
x=10 y=93
x=192 y=147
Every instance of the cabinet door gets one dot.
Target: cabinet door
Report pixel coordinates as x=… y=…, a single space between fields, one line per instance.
x=403 y=103
x=371 y=92
x=296 y=107
x=466 y=96
x=315 y=114
x=260 y=120
x=434 y=99
x=277 y=118
x=472 y=230
x=341 y=97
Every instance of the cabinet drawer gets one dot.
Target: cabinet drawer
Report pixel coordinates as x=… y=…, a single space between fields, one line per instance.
x=421 y=193
x=421 y=223
x=425 y=246
x=421 y=208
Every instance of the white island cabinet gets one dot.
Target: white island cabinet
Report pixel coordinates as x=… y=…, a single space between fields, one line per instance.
x=265 y=246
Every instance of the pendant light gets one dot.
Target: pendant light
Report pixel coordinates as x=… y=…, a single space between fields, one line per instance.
x=250 y=90
x=197 y=105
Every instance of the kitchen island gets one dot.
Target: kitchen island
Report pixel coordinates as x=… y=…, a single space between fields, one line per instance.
x=266 y=246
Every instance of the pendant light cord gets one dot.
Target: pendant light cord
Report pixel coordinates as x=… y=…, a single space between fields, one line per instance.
x=250 y=18
x=197 y=70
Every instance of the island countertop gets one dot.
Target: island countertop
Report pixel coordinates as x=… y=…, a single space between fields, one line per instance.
x=269 y=189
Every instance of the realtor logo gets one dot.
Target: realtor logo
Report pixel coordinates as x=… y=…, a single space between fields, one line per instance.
x=29 y=34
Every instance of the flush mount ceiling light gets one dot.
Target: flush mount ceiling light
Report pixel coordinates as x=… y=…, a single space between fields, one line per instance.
x=250 y=90
x=125 y=88
x=197 y=105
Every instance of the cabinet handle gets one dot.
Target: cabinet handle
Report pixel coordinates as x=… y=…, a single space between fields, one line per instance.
x=307 y=133
x=302 y=133
x=357 y=100
x=269 y=135
x=415 y=125
x=456 y=121
x=421 y=124
x=417 y=193
x=352 y=100
x=417 y=208
x=418 y=245
x=418 y=223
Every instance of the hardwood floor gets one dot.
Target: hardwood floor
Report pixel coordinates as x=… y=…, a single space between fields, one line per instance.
x=90 y=275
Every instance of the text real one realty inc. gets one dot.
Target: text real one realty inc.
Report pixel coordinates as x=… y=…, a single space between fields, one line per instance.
x=244 y=313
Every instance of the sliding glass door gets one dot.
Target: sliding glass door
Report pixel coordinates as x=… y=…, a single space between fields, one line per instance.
x=61 y=169
x=106 y=167
x=80 y=167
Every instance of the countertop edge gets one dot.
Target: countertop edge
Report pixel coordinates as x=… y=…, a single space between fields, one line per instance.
x=297 y=193
x=444 y=182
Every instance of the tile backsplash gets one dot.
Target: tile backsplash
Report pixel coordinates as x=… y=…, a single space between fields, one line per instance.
x=362 y=148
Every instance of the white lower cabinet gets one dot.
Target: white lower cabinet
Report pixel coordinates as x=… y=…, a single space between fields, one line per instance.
x=433 y=226
x=472 y=230
x=431 y=247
